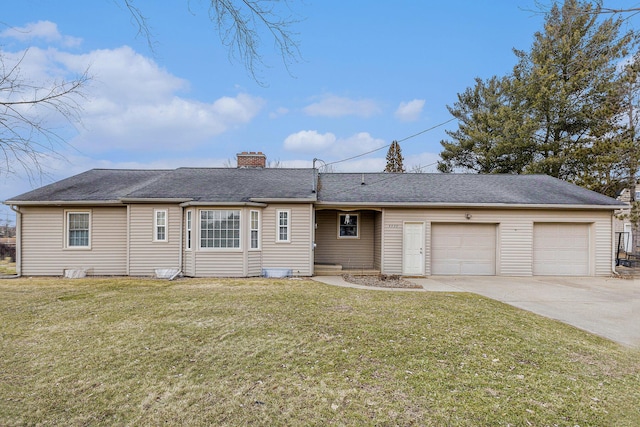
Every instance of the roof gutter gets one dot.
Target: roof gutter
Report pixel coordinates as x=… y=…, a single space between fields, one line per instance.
x=284 y=200
x=441 y=205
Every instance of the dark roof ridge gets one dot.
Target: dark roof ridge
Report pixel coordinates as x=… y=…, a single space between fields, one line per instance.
x=235 y=168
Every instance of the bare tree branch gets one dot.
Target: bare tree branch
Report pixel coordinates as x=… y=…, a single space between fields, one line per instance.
x=240 y=25
x=26 y=111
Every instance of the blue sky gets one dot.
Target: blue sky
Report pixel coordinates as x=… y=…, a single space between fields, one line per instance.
x=371 y=72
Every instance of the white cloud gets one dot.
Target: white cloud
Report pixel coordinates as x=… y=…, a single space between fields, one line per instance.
x=330 y=148
x=359 y=143
x=279 y=112
x=44 y=30
x=174 y=124
x=336 y=106
x=124 y=75
x=410 y=111
x=309 y=141
x=133 y=104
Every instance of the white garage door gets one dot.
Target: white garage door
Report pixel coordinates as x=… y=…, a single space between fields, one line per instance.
x=560 y=249
x=463 y=249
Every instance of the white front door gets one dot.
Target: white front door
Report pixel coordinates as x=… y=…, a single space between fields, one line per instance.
x=413 y=248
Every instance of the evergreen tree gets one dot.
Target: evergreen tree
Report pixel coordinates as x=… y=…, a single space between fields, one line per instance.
x=558 y=113
x=394 y=159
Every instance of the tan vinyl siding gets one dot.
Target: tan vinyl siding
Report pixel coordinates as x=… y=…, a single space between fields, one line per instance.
x=145 y=255
x=297 y=254
x=601 y=239
x=377 y=240
x=254 y=263
x=515 y=244
x=189 y=268
x=215 y=263
x=43 y=240
x=514 y=238
x=351 y=253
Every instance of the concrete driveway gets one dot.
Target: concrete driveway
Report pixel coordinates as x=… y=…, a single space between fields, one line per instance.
x=609 y=307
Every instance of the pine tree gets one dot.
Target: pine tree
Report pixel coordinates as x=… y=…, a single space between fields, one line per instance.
x=559 y=112
x=394 y=158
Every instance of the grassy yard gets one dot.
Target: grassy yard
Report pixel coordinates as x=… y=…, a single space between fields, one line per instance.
x=295 y=352
x=7 y=267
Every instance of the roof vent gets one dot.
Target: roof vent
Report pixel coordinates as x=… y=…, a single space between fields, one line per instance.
x=251 y=159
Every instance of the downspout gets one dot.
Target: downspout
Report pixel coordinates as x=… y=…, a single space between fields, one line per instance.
x=314 y=190
x=182 y=225
x=614 y=246
x=312 y=249
x=128 y=249
x=18 y=239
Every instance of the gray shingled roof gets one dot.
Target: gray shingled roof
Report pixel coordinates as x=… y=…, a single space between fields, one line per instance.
x=454 y=189
x=200 y=184
x=243 y=185
x=93 y=185
x=231 y=184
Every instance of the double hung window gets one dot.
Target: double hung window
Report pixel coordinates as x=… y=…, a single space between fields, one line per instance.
x=189 y=228
x=160 y=225
x=283 y=218
x=78 y=227
x=255 y=229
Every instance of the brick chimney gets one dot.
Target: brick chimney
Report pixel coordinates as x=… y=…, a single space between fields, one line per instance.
x=252 y=159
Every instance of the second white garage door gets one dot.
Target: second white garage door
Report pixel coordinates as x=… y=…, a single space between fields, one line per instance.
x=463 y=249
x=560 y=249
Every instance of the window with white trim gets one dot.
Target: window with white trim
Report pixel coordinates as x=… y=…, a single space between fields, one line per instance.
x=78 y=230
x=254 y=227
x=283 y=218
x=160 y=225
x=220 y=228
x=348 y=226
x=189 y=229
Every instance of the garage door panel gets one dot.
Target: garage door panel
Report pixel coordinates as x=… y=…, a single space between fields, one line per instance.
x=560 y=249
x=463 y=249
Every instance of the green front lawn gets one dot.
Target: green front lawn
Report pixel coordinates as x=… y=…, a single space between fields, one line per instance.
x=295 y=352
x=7 y=267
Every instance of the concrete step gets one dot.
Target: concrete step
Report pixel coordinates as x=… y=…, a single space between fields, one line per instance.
x=327 y=269
x=337 y=270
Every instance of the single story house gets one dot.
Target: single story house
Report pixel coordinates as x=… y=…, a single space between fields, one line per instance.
x=210 y=222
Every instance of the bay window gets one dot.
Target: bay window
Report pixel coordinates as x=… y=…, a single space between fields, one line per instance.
x=220 y=228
